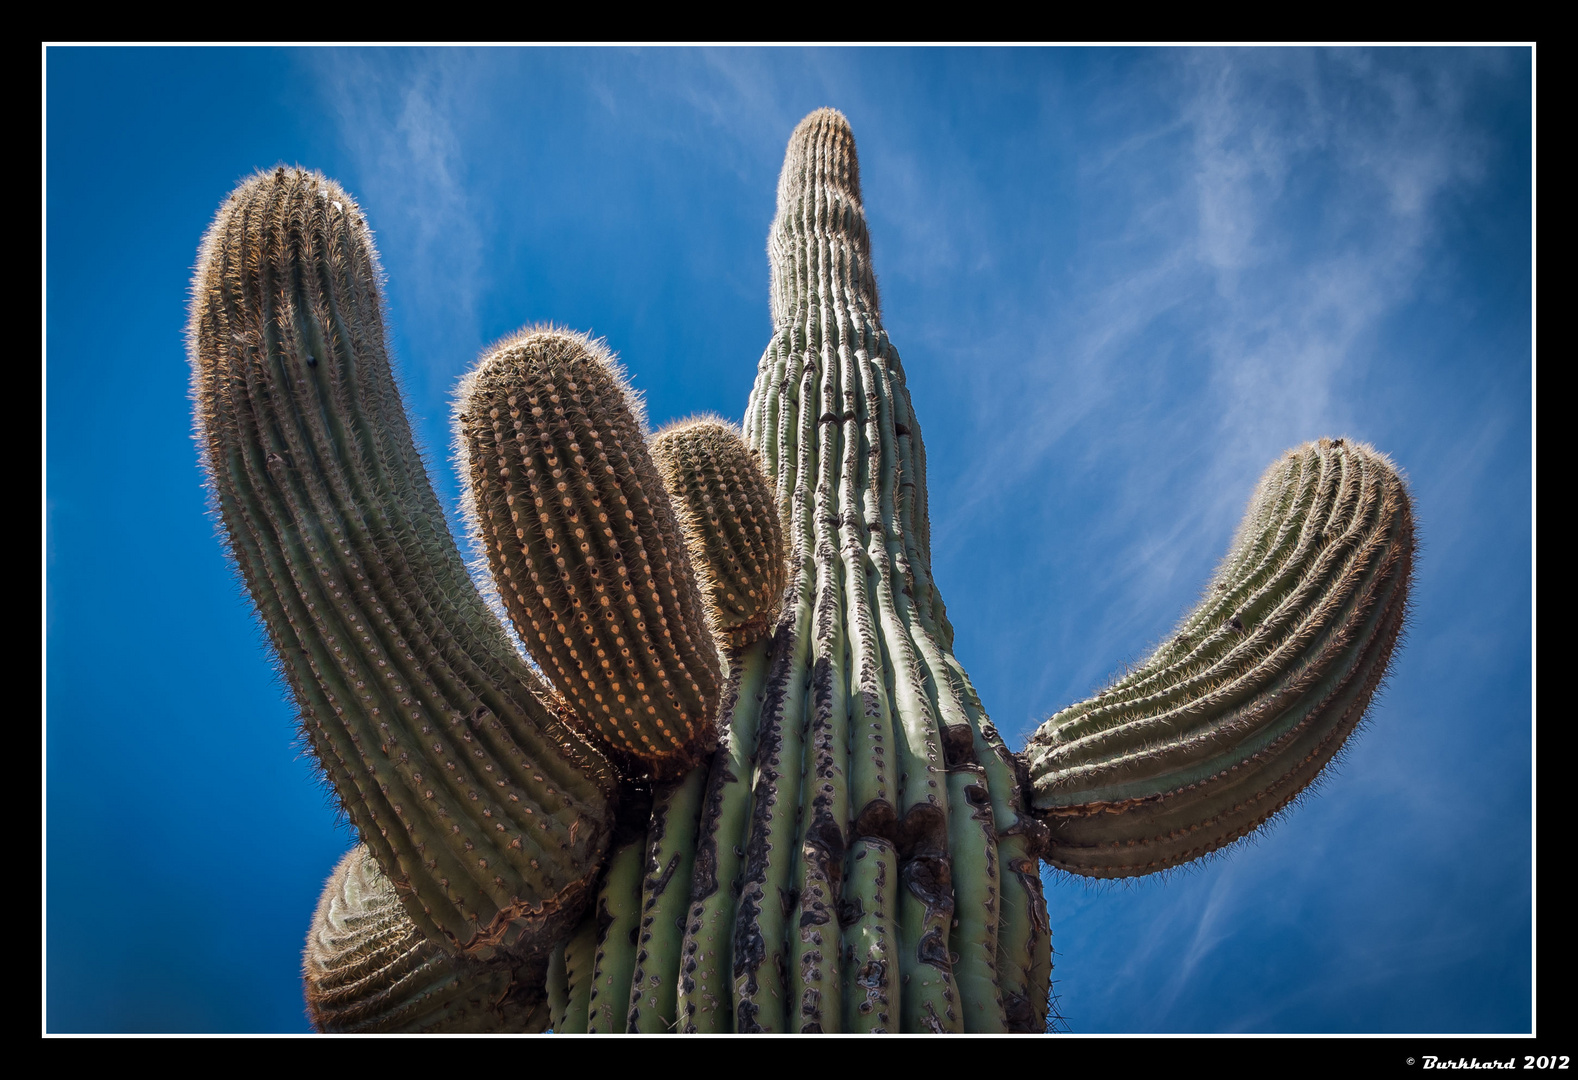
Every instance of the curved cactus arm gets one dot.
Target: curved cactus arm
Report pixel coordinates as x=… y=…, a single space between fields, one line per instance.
x=1257 y=689
x=486 y=813
x=368 y=968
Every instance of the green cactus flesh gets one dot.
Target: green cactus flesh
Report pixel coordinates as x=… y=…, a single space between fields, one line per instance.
x=815 y=826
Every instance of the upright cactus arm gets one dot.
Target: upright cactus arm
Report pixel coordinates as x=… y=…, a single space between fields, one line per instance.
x=489 y=817
x=730 y=515
x=585 y=548
x=1257 y=689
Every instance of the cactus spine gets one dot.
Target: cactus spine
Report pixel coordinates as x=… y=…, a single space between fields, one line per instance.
x=1256 y=690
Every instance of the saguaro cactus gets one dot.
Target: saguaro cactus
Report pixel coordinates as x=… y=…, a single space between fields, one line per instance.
x=805 y=820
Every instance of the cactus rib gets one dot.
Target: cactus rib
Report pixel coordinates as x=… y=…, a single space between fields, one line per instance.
x=368 y=968
x=729 y=515
x=864 y=640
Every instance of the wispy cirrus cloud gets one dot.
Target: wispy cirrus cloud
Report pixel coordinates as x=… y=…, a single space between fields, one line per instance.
x=401 y=124
x=1318 y=179
x=1246 y=225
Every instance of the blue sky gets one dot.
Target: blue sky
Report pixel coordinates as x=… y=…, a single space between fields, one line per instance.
x=1122 y=281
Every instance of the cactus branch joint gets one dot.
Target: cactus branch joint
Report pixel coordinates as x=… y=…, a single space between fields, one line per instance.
x=752 y=788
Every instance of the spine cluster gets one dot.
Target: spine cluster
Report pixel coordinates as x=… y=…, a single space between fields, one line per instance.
x=727 y=511
x=1255 y=691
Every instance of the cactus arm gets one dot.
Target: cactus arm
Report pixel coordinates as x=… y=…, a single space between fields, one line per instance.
x=588 y=556
x=368 y=968
x=730 y=519
x=488 y=816
x=1257 y=689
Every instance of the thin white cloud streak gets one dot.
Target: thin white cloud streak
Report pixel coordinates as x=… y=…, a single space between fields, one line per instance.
x=1291 y=322
x=1267 y=247
x=399 y=115
x=1211 y=927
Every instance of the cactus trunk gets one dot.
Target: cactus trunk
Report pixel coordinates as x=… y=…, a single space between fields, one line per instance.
x=832 y=417
x=873 y=770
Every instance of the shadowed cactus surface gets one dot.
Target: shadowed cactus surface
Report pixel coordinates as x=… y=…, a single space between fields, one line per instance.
x=488 y=814
x=810 y=823
x=368 y=968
